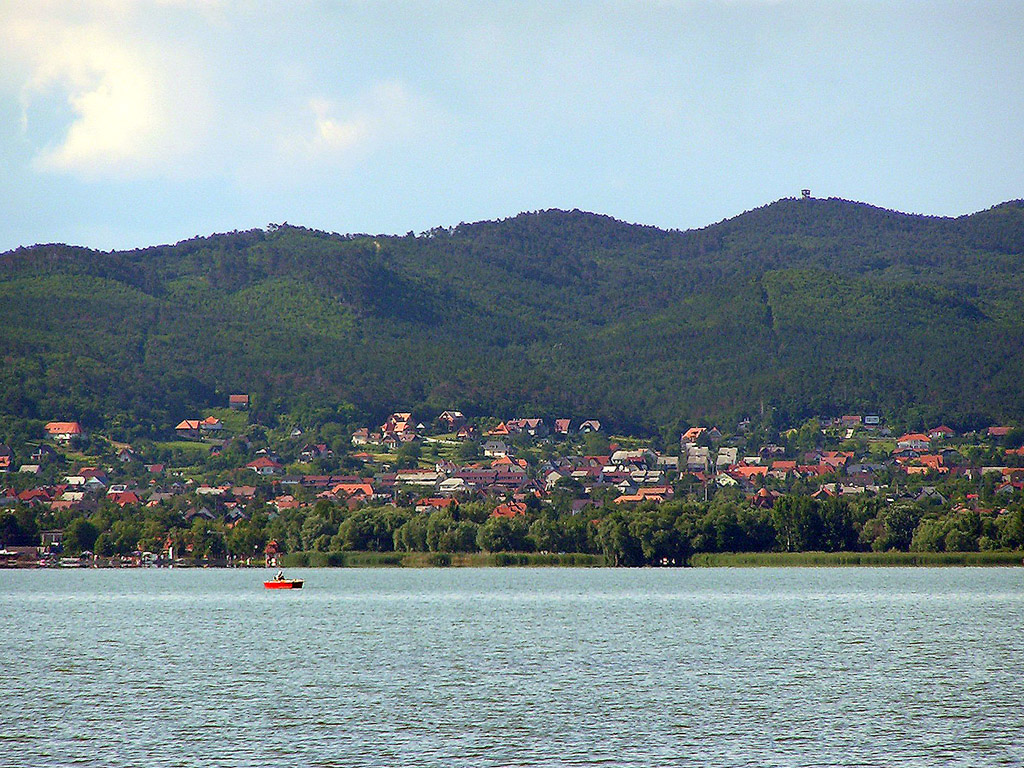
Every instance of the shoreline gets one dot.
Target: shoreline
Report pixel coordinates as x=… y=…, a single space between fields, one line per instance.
x=368 y=559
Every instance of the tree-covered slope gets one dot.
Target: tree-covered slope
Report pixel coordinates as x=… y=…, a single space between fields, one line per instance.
x=809 y=306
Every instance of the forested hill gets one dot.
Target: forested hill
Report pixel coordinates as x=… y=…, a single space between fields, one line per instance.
x=807 y=306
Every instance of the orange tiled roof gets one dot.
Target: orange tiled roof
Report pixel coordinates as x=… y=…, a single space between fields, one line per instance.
x=64 y=428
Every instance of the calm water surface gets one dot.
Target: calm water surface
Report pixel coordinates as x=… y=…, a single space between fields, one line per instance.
x=506 y=667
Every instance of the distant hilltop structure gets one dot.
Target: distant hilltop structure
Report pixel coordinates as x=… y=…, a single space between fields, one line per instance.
x=805 y=194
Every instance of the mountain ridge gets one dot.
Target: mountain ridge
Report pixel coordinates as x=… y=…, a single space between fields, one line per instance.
x=812 y=305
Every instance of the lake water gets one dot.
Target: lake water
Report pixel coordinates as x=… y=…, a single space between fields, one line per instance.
x=509 y=667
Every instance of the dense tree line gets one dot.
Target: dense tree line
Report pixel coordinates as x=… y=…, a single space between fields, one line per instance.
x=648 y=534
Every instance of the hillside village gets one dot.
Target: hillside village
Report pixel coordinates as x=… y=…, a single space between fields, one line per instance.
x=225 y=491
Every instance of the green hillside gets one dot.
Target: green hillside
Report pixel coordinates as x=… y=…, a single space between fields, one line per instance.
x=807 y=306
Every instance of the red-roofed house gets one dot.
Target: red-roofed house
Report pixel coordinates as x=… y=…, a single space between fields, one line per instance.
x=452 y=420
x=764 y=498
x=238 y=402
x=264 y=465
x=124 y=498
x=836 y=458
x=914 y=441
x=64 y=431
x=933 y=461
x=781 y=469
x=501 y=430
x=36 y=495
x=357 y=491
x=692 y=435
x=188 y=428
x=745 y=472
x=509 y=509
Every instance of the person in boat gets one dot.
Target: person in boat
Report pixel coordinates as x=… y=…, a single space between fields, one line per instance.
x=279 y=576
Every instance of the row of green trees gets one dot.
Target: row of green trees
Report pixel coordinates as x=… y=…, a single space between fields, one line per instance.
x=648 y=534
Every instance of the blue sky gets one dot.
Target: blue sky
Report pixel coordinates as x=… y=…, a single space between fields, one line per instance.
x=126 y=123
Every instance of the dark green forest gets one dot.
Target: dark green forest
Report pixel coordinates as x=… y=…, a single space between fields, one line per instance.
x=803 y=307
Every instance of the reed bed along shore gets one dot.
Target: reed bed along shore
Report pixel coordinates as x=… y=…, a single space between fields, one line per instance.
x=811 y=559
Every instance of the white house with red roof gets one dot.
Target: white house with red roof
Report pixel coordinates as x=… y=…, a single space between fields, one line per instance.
x=914 y=441
x=264 y=465
x=64 y=431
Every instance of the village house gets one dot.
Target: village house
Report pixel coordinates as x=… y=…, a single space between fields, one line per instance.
x=310 y=452
x=423 y=477
x=914 y=441
x=698 y=457
x=354 y=492
x=509 y=509
x=124 y=498
x=634 y=458
x=724 y=479
x=670 y=463
x=726 y=457
x=399 y=426
x=531 y=427
x=502 y=430
x=42 y=454
x=264 y=465
x=452 y=486
x=238 y=402
x=781 y=469
x=431 y=503
x=451 y=421
x=467 y=433
x=211 y=424
x=187 y=428
x=476 y=477
x=64 y=431
x=691 y=436
x=764 y=498
x=495 y=448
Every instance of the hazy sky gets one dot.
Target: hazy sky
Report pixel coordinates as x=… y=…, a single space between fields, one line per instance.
x=127 y=123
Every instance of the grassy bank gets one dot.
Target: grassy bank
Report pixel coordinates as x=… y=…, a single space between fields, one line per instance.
x=435 y=559
x=763 y=559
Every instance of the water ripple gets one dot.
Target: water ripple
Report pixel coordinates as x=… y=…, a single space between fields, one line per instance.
x=780 y=667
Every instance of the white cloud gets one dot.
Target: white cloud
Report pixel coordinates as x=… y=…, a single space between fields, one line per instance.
x=131 y=104
x=341 y=133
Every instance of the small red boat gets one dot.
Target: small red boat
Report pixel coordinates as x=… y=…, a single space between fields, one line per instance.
x=279 y=582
